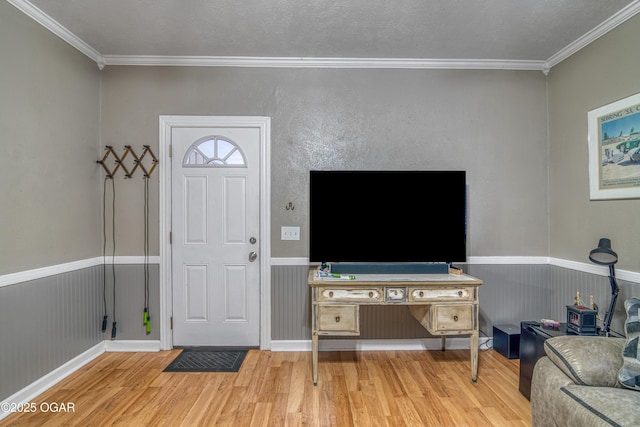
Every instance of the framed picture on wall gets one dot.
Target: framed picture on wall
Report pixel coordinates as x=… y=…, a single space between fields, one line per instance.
x=614 y=150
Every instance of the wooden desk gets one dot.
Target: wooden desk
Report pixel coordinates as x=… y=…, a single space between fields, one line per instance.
x=445 y=304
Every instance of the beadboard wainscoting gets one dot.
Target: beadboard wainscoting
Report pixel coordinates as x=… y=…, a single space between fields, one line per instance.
x=511 y=293
x=48 y=321
x=51 y=317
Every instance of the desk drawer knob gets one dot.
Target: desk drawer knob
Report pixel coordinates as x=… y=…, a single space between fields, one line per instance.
x=459 y=293
x=337 y=319
x=455 y=318
x=331 y=294
x=421 y=294
x=370 y=294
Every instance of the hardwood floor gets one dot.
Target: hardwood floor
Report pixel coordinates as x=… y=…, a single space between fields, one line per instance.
x=369 y=388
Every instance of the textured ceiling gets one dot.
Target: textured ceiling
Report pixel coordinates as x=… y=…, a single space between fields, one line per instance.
x=447 y=29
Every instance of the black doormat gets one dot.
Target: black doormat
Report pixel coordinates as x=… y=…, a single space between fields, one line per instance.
x=207 y=360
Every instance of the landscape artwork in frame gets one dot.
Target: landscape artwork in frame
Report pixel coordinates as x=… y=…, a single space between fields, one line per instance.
x=614 y=150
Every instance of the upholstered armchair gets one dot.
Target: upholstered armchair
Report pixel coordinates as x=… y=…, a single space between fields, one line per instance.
x=589 y=380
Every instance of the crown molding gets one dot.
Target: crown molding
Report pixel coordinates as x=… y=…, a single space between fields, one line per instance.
x=43 y=19
x=303 y=62
x=623 y=15
x=308 y=62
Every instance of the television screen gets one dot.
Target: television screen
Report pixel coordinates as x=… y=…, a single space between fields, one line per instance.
x=387 y=216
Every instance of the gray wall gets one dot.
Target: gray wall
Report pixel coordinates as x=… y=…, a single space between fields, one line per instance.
x=50 y=207
x=129 y=297
x=49 y=130
x=604 y=72
x=58 y=111
x=490 y=123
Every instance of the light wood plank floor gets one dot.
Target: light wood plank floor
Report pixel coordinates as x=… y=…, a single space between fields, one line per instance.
x=368 y=388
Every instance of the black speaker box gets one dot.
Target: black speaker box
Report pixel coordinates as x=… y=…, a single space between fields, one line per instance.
x=506 y=340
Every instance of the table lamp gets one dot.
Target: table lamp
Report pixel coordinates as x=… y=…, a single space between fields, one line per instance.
x=604 y=255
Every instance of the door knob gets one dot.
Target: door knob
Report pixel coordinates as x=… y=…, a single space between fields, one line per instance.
x=252 y=240
x=253 y=256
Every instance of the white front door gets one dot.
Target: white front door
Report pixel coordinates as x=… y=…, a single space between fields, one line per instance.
x=215 y=236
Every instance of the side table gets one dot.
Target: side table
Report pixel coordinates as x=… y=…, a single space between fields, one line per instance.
x=532 y=338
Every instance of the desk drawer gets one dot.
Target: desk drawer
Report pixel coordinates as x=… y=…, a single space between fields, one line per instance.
x=338 y=319
x=441 y=294
x=451 y=317
x=370 y=295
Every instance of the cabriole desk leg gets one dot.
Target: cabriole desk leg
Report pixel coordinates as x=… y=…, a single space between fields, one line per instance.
x=314 y=356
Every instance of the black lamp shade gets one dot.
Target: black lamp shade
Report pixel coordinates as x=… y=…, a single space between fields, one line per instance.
x=603 y=254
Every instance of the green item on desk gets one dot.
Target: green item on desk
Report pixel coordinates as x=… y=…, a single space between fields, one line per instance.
x=344 y=276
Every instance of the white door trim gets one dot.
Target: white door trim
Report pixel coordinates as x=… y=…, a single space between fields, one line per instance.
x=167 y=123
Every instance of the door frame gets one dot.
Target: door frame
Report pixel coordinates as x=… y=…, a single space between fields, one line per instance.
x=167 y=123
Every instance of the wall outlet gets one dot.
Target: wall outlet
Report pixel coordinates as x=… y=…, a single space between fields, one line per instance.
x=289 y=233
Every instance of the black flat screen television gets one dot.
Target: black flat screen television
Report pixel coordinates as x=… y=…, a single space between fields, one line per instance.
x=387 y=216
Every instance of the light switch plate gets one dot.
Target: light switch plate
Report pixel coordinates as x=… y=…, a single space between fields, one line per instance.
x=289 y=233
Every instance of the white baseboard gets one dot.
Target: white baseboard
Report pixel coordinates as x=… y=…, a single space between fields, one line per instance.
x=37 y=387
x=291 y=345
x=30 y=392
x=452 y=343
x=142 y=346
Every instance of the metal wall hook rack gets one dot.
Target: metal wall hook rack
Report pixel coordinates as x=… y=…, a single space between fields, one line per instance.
x=119 y=161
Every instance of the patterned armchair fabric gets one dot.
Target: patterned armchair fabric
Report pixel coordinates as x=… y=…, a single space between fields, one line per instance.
x=629 y=374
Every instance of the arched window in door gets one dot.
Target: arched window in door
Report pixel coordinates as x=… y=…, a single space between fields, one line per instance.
x=214 y=151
